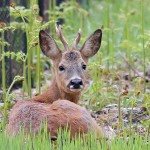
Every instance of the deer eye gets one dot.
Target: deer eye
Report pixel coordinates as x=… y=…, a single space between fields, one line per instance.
x=61 y=68
x=84 y=67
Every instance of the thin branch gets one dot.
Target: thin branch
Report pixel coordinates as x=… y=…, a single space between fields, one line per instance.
x=127 y=62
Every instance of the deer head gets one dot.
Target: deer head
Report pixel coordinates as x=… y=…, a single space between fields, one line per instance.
x=70 y=64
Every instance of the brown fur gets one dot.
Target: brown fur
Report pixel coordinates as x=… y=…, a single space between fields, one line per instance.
x=53 y=93
x=62 y=113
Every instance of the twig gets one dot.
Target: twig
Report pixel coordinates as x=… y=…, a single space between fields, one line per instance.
x=127 y=62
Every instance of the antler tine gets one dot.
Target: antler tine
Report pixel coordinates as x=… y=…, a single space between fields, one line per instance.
x=60 y=35
x=77 y=40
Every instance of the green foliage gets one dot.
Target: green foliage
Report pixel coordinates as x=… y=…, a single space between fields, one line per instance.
x=88 y=142
x=20 y=56
x=8 y=96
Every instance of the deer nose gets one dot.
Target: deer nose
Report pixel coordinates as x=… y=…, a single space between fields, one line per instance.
x=76 y=83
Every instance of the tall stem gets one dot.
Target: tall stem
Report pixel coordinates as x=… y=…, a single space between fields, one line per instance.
x=108 y=27
x=28 y=56
x=24 y=81
x=29 y=67
x=38 y=70
x=143 y=48
x=127 y=36
x=3 y=69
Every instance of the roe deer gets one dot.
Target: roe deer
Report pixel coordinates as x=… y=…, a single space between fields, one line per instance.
x=69 y=80
x=70 y=65
x=29 y=115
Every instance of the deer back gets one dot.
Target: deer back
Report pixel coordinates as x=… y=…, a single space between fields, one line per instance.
x=32 y=116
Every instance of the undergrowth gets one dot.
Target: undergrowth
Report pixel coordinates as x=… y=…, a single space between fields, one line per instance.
x=63 y=142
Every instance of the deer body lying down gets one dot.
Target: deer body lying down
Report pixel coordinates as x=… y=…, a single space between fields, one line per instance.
x=70 y=65
x=68 y=82
x=29 y=115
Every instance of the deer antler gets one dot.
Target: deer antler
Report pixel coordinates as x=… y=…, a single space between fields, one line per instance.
x=60 y=35
x=77 y=40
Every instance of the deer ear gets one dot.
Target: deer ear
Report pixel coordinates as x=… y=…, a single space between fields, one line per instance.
x=48 y=45
x=92 y=44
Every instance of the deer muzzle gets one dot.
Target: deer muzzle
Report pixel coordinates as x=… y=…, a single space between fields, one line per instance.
x=76 y=84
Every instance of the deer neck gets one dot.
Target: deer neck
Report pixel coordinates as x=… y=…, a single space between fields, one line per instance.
x=54 y=93
x=73 y=97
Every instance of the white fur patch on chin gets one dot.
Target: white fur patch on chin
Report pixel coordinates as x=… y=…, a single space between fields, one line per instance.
x=75 y=90
x=71 y=88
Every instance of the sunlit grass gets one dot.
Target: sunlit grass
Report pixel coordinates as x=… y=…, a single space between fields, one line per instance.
x=63 y=142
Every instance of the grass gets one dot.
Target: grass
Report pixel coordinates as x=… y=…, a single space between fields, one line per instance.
x=125 y=26
x=88 y=142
